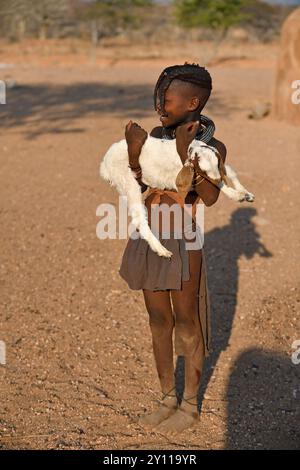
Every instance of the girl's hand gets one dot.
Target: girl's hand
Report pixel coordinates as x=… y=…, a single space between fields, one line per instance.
x=185 y=134
x=135 y=137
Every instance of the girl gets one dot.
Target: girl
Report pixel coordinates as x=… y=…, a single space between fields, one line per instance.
x=180 y=94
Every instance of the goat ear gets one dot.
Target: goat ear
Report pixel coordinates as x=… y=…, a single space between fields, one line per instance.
x=184 y=179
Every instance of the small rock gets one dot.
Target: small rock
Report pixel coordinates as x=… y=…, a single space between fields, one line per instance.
x=259 y=110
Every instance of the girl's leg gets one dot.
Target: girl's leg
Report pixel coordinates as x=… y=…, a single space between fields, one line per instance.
x=161 y=323
x=188 y=342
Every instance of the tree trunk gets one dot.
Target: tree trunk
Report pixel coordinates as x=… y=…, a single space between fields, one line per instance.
x=211 y=57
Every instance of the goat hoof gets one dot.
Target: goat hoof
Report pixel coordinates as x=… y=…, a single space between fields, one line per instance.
x=249 y=197
x=241 y=197
x=166 y=254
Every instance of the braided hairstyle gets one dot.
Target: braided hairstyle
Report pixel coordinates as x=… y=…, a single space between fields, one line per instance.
x=191 y=73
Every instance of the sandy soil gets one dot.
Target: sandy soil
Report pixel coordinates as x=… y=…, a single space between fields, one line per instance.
x=79 y=365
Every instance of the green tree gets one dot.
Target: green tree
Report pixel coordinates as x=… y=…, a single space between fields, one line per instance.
x=216 y=14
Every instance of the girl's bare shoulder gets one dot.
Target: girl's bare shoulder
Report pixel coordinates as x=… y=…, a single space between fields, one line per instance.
x=156 y=132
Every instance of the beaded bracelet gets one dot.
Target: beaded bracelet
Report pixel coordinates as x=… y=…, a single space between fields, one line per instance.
x=137 y=171
x=196 y=181
x=134 y=167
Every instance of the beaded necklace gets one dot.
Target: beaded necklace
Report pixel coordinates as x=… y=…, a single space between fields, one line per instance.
x=204 y=135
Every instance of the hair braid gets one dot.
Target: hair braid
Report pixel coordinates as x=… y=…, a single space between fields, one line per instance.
x=191 y=73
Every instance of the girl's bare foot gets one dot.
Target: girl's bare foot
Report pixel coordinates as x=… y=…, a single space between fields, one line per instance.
x=166 y=408
x=185 y=417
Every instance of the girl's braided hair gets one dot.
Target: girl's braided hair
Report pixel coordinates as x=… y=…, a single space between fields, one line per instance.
x=191 y=73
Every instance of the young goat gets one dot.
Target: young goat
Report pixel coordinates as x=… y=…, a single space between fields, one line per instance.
x=165 y=172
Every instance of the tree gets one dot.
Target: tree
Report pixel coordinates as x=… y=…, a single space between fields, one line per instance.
x=215 y=14
x=218 y=15
x=107 y=17
x=35 y=16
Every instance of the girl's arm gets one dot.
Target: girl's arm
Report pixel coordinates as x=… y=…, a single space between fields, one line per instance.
x=185 y=134
x=138 y=176
x=135 y=138
x=134 y=157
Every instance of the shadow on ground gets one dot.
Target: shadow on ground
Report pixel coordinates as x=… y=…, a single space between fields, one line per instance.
x=263 y=402
x=223 y=248
x=53 y=109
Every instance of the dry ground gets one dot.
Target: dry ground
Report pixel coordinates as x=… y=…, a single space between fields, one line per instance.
x=79 y=358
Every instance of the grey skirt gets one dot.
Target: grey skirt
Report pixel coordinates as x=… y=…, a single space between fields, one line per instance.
x=142 y=268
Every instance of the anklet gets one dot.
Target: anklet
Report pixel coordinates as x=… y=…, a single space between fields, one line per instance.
x=188 y=400
x=168 y=394
x=161 y=403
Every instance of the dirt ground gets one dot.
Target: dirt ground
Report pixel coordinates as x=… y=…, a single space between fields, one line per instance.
x=79 y=367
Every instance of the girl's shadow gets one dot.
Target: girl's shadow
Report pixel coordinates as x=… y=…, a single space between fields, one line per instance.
x=223 y=248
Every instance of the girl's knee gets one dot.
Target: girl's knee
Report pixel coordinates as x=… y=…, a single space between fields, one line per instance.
x=187 y=315
x=186 y=329
x=158 y=320
x=187 y=333
x=186 y=306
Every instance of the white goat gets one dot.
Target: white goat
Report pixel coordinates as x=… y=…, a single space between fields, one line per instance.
x=160 y=165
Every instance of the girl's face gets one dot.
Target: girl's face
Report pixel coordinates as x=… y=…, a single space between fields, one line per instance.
x=180 y=105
